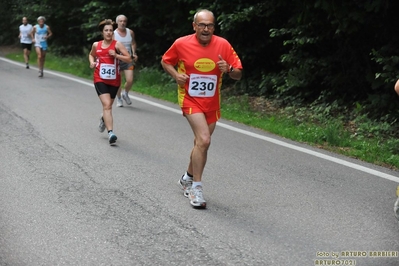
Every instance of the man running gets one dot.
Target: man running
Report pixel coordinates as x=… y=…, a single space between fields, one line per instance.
x=25 y=38
x=40 y=34
x=105 y=56
x=202 y=59
x=126 y=37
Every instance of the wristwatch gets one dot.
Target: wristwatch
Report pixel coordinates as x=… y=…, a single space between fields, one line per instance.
x=231 y=69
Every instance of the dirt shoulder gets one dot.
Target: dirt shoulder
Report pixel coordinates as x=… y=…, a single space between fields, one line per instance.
x=6 y=49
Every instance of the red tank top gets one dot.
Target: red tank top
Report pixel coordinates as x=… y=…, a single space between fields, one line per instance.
x=107 y=67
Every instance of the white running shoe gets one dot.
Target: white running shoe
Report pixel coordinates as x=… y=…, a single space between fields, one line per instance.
x=197 y=198
x=101 y=126
x=119 y=102
x=126 y=97
x=185 y=185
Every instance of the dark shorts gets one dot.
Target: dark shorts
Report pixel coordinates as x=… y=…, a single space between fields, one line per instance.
x=126 y=66
x=102 y=88
x=26 y=46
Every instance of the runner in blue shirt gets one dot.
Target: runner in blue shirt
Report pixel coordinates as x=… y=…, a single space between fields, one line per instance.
x=40 y=33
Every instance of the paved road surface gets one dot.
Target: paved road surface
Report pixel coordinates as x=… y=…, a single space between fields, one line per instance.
x=68 y=198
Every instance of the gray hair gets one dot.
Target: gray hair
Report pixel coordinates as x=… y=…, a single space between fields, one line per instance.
x=41 y=17
x=202 y=10
x=117 y=18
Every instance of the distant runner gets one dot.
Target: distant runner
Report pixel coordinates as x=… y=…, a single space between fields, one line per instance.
x=25 y=37
x=40 y=34
x=104 y=57
x=126 y=37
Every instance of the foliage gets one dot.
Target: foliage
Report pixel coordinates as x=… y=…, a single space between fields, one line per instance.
x=301 y=54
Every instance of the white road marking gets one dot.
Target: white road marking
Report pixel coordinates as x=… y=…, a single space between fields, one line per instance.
x=241 y=131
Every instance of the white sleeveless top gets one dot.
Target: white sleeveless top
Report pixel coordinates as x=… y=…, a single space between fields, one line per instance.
x=25 y=33
x=126 y=41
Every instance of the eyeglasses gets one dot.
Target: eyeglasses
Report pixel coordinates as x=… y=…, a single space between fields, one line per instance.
x=202 y=26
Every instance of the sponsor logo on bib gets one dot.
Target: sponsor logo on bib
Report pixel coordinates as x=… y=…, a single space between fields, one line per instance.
x=204 y=65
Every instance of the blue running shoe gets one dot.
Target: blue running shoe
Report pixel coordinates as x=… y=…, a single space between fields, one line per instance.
x=112 y=137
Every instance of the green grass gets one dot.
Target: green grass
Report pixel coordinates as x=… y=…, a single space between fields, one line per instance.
x=330 y=134
x=78 y=66
x=156 y=84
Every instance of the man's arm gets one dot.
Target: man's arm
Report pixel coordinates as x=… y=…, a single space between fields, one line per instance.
x=397 y=87
x=235 y=74
x=225 y=67
x=181 y=79
x=32 y=34
x=50 y=33
x=134 y=46
x=171 y=70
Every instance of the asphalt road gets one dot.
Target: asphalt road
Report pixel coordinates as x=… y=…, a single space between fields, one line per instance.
x=68 y=198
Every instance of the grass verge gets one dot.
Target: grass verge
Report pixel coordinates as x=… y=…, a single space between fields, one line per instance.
x=330 y=134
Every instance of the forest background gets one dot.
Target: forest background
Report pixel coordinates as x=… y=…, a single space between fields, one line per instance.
x=315 y=61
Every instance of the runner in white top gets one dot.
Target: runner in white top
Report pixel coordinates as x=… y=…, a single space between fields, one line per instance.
x=126 y=37
x=26 y=39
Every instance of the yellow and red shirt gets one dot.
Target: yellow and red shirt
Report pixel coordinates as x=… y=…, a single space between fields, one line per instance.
x=199 y=63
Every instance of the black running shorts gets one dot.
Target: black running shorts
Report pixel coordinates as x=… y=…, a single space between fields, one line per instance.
x=26 y=46
x=102 y=88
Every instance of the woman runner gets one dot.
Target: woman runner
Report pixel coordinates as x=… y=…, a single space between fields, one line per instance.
x=104 y=57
